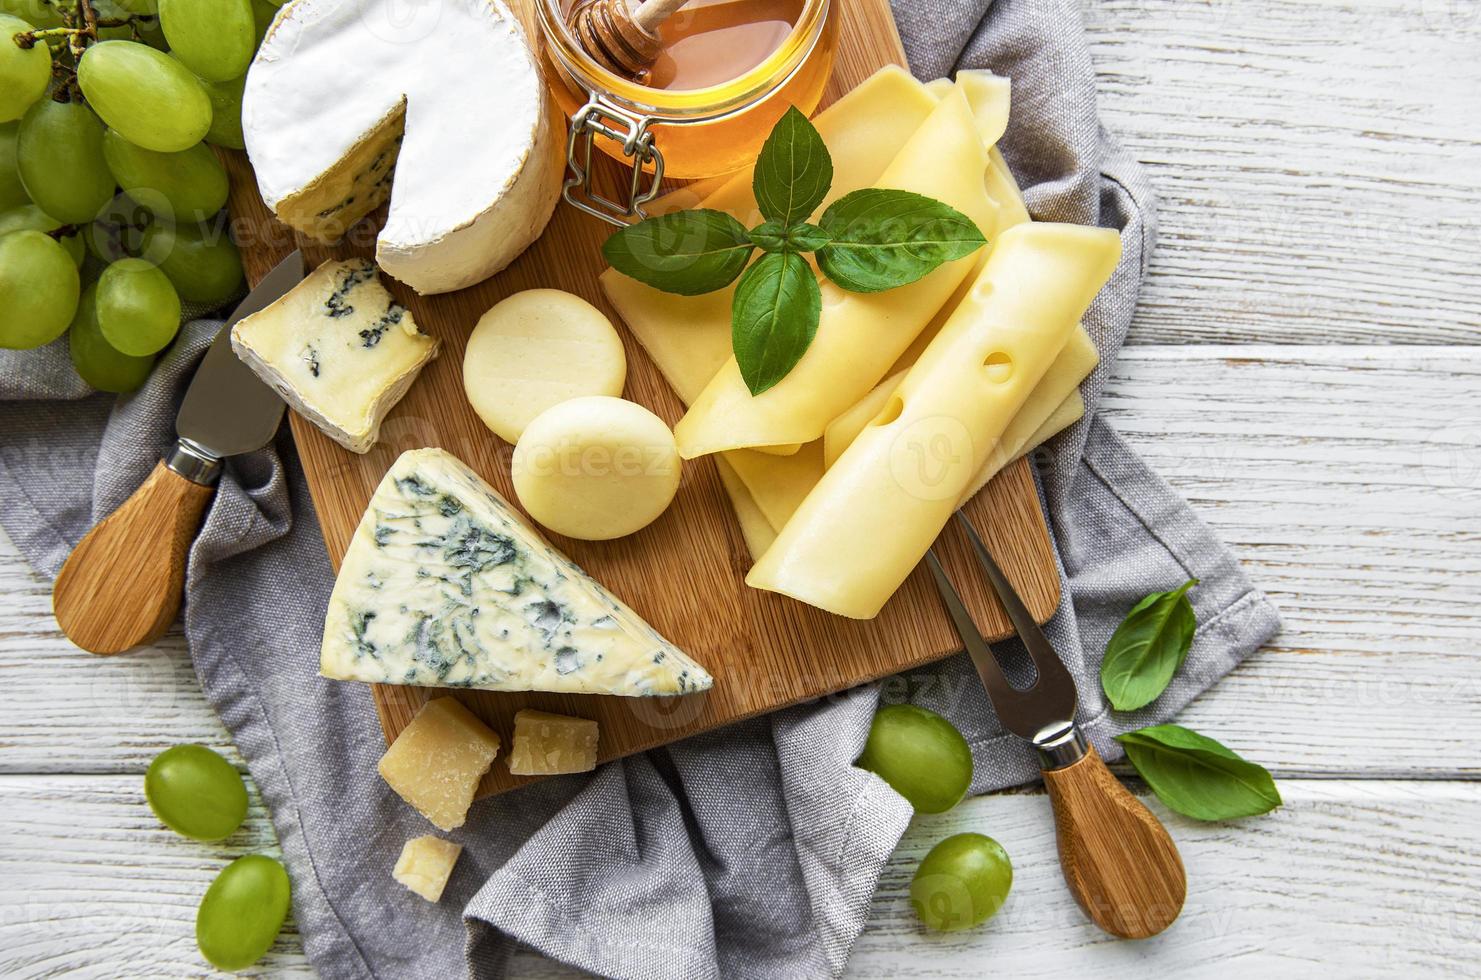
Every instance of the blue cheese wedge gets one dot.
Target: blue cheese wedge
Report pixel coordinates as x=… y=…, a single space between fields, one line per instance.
x=338 y=348
x=444 y=585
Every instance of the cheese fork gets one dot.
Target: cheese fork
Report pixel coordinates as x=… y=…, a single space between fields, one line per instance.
x=1118 y=860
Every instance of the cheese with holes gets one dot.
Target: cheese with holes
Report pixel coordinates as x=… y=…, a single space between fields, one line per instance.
x=546 y=744
x=444 y=585
x=875 y=512
x=437 y=761
x=425 y=865
x=338 y=348
x=438 y=105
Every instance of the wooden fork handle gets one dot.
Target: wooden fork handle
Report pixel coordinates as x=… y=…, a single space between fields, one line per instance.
x=1118 y=860
x=123 y=583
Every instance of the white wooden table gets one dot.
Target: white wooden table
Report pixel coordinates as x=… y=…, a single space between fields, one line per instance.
x=1306 y=368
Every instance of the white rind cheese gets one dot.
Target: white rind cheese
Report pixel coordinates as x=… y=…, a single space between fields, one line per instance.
x=338 y=348
x=438 y=105
x=444 y=586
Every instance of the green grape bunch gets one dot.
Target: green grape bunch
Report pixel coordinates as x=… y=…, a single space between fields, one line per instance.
x=114 y=115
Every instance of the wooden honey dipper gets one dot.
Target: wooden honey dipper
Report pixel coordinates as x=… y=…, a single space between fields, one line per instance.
x=620 y=36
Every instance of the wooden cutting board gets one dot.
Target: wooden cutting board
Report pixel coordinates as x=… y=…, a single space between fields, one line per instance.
x=684 y=573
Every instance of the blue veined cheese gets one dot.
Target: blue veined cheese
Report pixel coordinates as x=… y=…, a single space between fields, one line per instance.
x=444 y=585
x=338 y=348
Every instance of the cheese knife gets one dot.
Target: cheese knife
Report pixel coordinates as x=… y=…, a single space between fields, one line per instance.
x=1118 y=860
x=123 y=583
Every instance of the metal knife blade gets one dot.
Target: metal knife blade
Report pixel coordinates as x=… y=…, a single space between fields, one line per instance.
x=228 y=409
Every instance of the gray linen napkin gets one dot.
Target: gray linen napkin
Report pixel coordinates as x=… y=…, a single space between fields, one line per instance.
x=752 y=851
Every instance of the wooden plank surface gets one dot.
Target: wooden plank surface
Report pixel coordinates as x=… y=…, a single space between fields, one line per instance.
x=1364 y=537
x=764 y=650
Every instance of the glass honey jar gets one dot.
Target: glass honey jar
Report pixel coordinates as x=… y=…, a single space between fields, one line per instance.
x=728 y=71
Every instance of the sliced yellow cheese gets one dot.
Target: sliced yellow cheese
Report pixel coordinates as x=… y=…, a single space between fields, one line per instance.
x=866 y=525
x=436 y=762
x=756 y=530
x=846 y=428
x=425 y=865
x=1059 y=386
x=859 y=335
x=990 y=97
x=778 y=484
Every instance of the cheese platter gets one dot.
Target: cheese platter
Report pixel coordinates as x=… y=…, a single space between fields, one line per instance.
x=684 y=574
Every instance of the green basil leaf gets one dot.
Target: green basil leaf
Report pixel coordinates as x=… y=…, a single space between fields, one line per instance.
x=1148 y=648
x=807 y=238
x=1198 y=777
x=793 y=172
x=886 y=238
x=773 y=318
x=686 y=252
x=772 y=237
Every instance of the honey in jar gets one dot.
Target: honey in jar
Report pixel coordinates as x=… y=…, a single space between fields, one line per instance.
x=728 y=71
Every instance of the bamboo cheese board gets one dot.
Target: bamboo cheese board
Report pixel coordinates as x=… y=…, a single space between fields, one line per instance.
x=685 y=573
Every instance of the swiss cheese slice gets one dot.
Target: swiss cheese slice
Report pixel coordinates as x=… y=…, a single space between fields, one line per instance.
x=875 y=512
x=444 y=585
x=438 y=105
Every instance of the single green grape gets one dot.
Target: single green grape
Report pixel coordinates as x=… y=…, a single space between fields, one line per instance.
x=138 y=308
x=118 y=232
x=187 y=186
x=202 y=262
x=920 y=755
x=32 y=217
x=106 y=369
x=243 y=912
x=24 y=72
x=60 y=154
x=39 y=289
x=149 y=97
x=194 y=791
x=12 y=191
x=226 y=112
x=961 y=882
x=213 y=38
x=38 y=12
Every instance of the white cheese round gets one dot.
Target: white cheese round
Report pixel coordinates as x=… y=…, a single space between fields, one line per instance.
x=536 y=349
x=596 y=468
x=437 y=104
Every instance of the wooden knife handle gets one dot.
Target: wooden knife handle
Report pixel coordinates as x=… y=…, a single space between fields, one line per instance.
x=123 y=583
x=1120 y=863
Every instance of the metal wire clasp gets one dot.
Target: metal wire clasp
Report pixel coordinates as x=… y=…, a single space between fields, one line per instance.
x=600 y=118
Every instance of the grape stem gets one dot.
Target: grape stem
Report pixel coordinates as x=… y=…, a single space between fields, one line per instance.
x=28 y=39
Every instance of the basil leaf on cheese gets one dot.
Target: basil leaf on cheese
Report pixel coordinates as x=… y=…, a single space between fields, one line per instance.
x=793 y=172
x=686 y=252
x=882 y=238
x=1197 y=776
x=774 y=316
x=1148 y=648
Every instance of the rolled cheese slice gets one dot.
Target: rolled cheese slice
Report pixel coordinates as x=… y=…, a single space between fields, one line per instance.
x=870 y=519
x=536 y=349
x=596 y=468
x=859 y=335
x=437 y=104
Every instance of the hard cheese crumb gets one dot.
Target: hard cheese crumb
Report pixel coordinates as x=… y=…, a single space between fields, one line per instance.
x=437 y=760
x=547 y=744
x=425 y=865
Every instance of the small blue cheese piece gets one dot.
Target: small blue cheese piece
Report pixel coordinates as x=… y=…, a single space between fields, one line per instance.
x=444 y=585
x=338 y=348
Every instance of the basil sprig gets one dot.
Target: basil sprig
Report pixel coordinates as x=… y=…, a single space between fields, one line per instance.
x=867 y=241
x=1148 y=648
x=1197 y=776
